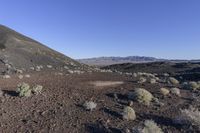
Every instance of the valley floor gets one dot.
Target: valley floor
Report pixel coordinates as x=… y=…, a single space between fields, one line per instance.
x=59 y=107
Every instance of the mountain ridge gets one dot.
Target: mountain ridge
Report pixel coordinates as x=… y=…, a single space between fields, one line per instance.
x=104 y=61
x=112 y=60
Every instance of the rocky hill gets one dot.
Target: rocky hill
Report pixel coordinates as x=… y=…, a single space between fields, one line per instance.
x=20 y=52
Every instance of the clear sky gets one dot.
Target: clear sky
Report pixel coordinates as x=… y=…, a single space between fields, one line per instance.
x=90 y=28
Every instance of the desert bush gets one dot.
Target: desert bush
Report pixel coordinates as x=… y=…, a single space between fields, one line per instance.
x=173 y=81
x=191 y=85
x=24 y=90
x=164 y=91
x=90 y=106
x=191 y=116
x=176 y=91
x=37 y=89
x=141 y=95
x=128 y=113
x=151 y=127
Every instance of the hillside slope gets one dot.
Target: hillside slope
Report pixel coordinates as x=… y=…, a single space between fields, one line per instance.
x=20 y=52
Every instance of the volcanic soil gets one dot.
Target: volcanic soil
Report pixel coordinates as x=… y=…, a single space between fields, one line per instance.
x=59 y=107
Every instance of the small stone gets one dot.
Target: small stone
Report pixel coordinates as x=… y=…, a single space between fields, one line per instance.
x=130 y=103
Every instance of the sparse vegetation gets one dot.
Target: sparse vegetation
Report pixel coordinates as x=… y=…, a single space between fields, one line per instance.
x=128 y=113
x=20 y=76
x=173 y=81
x=105 y=89
x=164 y=91
x=192 y=116
x=37 y=89
x=176 y=91
x=151 y=127
x=191 y=85
x=141 y=95
x=24 y=90
x=90 y=106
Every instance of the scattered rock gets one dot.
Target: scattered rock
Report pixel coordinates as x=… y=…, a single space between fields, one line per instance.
x=27 y=76
x=6 y=76
x=49 y=66
x=19 y=71
x=20 y=76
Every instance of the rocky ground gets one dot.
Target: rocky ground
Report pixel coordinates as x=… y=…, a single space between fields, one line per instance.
x=42 y=90
x=59 y=106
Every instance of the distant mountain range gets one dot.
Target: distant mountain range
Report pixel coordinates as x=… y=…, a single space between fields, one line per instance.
x=105 y=61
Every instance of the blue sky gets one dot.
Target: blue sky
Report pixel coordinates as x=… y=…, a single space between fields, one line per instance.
x=91 y=28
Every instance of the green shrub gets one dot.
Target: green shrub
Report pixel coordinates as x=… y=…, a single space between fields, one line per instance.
x=173 y=81
x=24 y=90
x=191 y=85
x=89 y=105
x=164 y=91
x=176 y=91
x=37 y=89
x=151 y=127
x=128 y=113
x=191 y=116
x=141 y=95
